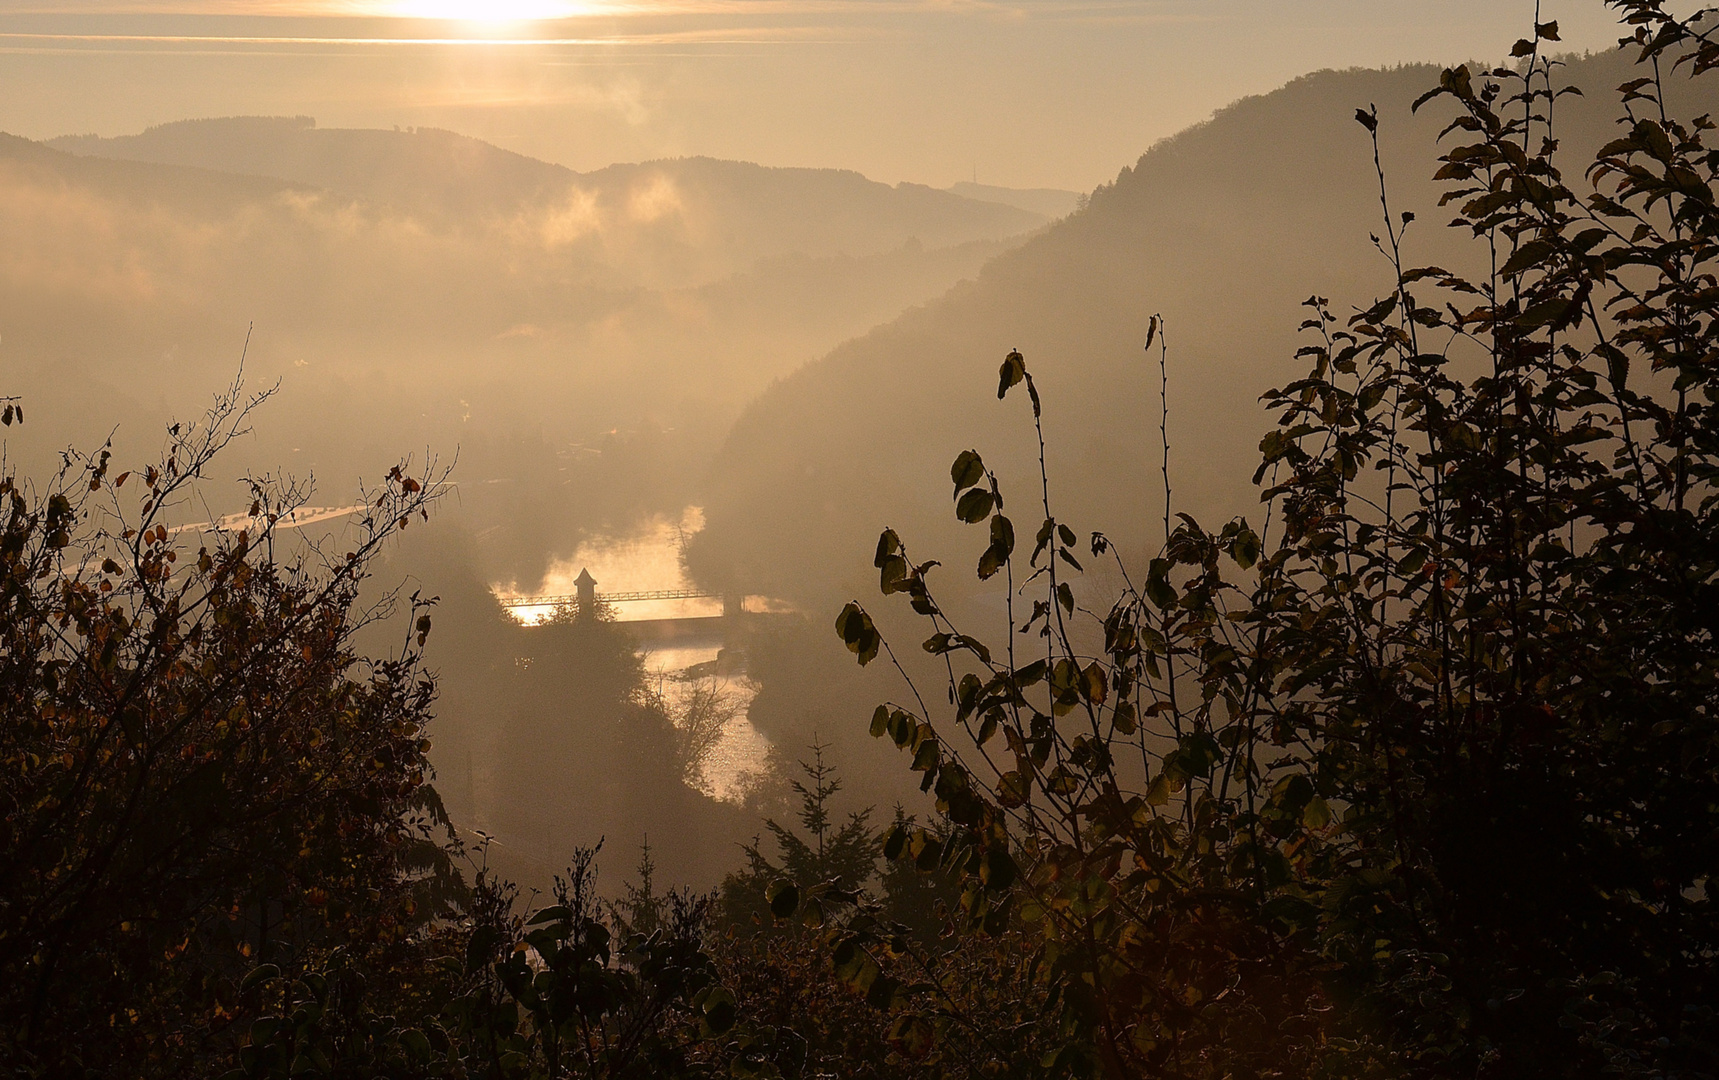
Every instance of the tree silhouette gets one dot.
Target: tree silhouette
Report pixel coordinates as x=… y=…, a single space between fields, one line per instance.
x=844 y=854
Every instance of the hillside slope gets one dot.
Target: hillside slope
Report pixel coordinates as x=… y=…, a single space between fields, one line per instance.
x=1225 y=229
x=1051 y=202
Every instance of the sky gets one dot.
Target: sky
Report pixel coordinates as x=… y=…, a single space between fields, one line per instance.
x=1021 y=93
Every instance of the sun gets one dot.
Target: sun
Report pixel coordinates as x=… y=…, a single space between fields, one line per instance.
x=489 y=11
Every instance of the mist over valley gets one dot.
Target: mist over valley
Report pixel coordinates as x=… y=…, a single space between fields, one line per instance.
x=1105 y=540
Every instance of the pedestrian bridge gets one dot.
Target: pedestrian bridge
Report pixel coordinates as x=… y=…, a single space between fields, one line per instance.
x=573 y=599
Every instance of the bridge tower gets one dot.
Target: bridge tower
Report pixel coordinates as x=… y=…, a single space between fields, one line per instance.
x=587 y=586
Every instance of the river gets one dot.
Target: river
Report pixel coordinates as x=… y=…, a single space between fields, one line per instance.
x=649 y=560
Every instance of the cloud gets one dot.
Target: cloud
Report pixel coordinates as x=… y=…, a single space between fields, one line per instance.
x=653 y=199
x=62 y=241
x=577 y=217
x=564 y=11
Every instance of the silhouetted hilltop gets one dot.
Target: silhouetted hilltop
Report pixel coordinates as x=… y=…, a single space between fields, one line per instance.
x=758 y=212
x=424 y=170
x=1225 y=228
x=140 y=184
x=663 y=223
x=1051 y=202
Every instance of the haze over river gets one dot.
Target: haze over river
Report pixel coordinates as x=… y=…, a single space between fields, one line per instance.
x=649 y=560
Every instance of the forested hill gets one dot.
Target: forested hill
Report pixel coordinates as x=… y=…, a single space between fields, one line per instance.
x=1051 y=202
x=669 y=223
x=1225 y=228
x=422 y=169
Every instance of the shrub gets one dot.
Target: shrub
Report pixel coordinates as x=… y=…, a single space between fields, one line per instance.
x=198 y=772
x=1421 y=777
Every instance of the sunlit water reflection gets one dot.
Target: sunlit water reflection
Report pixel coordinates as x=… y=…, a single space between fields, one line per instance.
x=650 y=561
x=646 y=561
x=734 y=765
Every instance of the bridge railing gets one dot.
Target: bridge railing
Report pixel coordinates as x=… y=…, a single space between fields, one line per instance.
x=607 y=598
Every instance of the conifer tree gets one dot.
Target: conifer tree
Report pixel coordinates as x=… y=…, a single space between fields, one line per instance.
x=844 y=854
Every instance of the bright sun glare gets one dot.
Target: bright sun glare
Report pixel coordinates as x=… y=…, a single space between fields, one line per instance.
x=489 y=11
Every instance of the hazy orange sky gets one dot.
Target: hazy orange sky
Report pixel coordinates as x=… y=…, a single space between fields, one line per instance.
x=1015 y=92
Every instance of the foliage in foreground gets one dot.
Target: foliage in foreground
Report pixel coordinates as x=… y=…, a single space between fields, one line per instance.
x=221 y=852
x=196 y=768
x=794 y=967
x=570 y=990
x=1421 y=778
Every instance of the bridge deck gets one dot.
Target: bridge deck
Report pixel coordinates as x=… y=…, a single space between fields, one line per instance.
x=607 y=598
